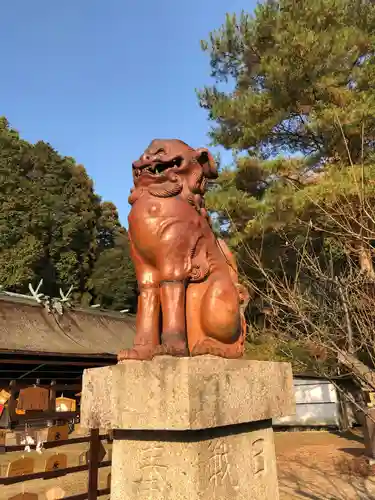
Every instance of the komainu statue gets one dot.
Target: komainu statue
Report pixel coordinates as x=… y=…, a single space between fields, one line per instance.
x=190 y=301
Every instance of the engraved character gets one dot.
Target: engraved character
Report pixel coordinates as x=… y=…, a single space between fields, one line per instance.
x=153 y=471
x=219 y=467
x=258 y=456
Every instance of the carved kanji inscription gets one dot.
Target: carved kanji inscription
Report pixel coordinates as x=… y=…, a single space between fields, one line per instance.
x=152 y=470
x=257 y=452
x=219 y=468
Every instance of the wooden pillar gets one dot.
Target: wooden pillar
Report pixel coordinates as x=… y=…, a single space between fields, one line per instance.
x=93 y=460
x=369 y=432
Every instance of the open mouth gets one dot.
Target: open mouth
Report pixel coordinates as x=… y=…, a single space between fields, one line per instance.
x=158 y=168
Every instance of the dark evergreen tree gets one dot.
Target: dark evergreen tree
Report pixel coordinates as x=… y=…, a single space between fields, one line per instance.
x=113 y=282
x=53 y=225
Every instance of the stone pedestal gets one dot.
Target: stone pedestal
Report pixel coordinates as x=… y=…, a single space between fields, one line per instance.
x=190 y=428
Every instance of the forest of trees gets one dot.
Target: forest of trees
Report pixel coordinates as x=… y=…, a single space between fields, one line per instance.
x=53 y=226
x=293 y=97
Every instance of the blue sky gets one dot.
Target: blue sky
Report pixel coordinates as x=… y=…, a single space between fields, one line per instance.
x=98 y=79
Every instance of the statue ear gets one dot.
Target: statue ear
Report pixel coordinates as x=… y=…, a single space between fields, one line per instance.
x=208 y=163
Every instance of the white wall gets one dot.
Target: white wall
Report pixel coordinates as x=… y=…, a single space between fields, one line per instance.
x=316 y=404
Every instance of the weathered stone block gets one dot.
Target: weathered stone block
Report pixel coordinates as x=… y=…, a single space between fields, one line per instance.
x=218 y=464
x=185 y=393
x=190 y=428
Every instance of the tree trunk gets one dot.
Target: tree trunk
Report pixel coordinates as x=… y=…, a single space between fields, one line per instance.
x=369 y=432
x=366 y=417
x=365 y=260
x=359 y=370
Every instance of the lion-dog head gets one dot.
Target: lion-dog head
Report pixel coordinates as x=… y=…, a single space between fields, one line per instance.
x=169 y=167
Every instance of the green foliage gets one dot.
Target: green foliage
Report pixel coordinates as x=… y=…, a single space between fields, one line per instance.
x=52 y=223
x=302 y=77
x=298 y=69
x=265 y=346
x=293 y=98
x=113 y=282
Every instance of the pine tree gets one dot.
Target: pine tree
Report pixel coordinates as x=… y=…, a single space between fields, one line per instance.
x=293 y=98
x=298 y=79
x=298 y=71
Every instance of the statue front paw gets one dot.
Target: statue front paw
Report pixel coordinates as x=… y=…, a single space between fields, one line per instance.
x=212 y=347
x=171 y=350
x=140 y=353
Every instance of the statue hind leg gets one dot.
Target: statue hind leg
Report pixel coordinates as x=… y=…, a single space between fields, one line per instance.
x=221 y=301
x=214 y=320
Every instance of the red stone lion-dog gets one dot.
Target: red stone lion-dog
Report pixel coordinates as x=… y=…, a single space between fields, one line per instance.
x=190 y=301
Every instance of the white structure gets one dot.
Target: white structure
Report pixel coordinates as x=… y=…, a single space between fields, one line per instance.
x=317 y=404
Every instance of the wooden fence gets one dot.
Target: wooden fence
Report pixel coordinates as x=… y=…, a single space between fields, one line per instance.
x=95 y=454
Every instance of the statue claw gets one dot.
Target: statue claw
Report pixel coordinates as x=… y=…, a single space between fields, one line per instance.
x=140 y=353
x=213 y=347
x=165 y=350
